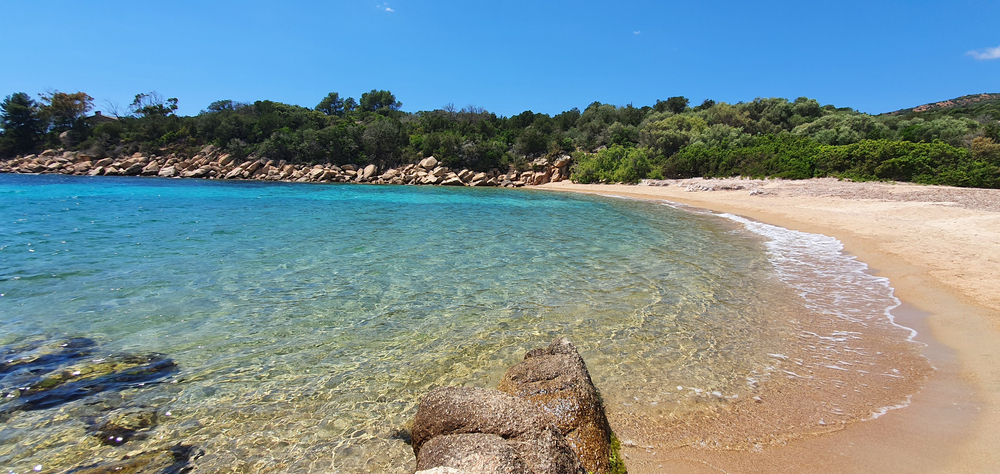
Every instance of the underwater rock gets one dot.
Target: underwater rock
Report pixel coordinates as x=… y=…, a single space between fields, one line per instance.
x=175 y=460
x=36 y=356
x=555 y=379
x=38 y=376
x=121 y=426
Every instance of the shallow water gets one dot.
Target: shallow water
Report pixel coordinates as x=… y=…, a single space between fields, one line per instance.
x=306 y=321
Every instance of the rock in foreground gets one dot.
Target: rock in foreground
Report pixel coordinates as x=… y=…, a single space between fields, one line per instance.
x=483 y=430
x=556 y=380
x=546 y=417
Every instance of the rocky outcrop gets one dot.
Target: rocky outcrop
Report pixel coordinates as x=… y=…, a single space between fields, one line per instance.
x=546 y=416
x=456 y=427
x=555 y=379
x=211 y=163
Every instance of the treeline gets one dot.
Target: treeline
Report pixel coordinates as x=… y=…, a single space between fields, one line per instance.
x=801 y=139
x=669 y=139
x=371 y=130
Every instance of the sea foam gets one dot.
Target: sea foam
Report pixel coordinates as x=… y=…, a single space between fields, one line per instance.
x=829 y=280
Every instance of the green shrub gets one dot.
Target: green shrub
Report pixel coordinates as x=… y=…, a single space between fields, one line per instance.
x=612 y=165
x=782 y=156
x=891 y=160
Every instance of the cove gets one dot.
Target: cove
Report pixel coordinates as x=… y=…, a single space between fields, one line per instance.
x=306 y=321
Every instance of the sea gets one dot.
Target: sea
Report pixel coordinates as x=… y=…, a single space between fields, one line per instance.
x=280 y=327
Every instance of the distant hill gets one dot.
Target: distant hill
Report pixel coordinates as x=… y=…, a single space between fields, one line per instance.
x=953 y=105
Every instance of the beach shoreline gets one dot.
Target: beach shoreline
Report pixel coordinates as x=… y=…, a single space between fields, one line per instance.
x=939 y=248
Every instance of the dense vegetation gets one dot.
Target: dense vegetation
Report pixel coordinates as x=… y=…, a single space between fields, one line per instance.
x=956 y=144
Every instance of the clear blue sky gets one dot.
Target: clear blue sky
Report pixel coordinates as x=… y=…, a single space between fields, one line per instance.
x=507 y=56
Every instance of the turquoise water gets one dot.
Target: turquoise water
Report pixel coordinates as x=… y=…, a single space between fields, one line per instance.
x=306 y=321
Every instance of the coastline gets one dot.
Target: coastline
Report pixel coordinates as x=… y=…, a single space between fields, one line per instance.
x=939 y=247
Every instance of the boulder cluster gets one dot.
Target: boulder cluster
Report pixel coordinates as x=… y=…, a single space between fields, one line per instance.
x=212 y=163
x=545 y=417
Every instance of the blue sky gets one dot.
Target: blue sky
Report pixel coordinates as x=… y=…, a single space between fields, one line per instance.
x=875 y=56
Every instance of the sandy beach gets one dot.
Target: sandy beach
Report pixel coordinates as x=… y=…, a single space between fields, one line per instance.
x=940 y=249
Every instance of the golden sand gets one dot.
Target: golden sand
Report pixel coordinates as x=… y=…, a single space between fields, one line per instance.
x=940 y=249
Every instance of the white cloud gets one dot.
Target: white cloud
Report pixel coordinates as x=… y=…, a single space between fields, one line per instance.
x=983 y=54
x=389 y=9
x=636 y=32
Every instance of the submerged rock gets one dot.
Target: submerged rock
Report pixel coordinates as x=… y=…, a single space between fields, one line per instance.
x=173 y=460
x=37 y=356
x=38 y=376
x=121 y=426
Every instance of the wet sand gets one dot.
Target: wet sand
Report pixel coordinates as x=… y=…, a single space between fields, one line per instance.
x=940 y=248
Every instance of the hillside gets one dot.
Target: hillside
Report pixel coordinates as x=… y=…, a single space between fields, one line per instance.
x=960 y=105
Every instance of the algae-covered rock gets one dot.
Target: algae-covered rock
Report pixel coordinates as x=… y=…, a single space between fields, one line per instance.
x=36 y=356
x=121 y=426
x=39 y=375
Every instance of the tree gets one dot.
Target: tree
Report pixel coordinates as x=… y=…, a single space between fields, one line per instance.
x=951 y=130
x=705 y=105
x=677 y=104
x=332 y=104
x=770 y=115
x=843 y=129
x=666 y=137
x=226 y=105
x=629 y=115
x=378 y=101
x=22 y=126
x=383 y=139
x=532 y=141
x=672 y=104
x=567 y=119
x=66 y=117
x=991 y=130
x=350 y=105
x=985 y=149
x=65 y=111
x=153 y=105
